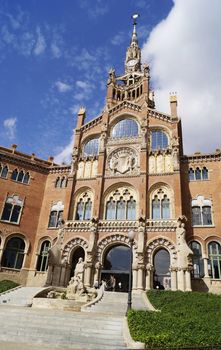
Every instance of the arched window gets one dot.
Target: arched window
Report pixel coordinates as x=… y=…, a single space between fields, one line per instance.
x=191 y=175
x=201 y=212
x=120 y=205
x=161 y=206
x=198 y=174
x=198 y=269
x=3 y=171
x=111 y=210
x=125 y=128
x=12 y=209
x=57 y=182
x=84 y=207
x=215 y=260
x=14 y=175
x=56 y=215
x=63 y=182
x=91 y=148
x=162 y=269
x=20 y=176
x=42 y=263
x=14 y=253
x=159 y=140
x=26 y=178
x=205 y=173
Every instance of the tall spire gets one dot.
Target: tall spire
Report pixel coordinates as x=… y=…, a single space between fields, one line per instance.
x=133 y=55
x=134 y=34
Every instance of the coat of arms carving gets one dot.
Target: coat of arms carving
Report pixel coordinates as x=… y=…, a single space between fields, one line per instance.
x=123 y=161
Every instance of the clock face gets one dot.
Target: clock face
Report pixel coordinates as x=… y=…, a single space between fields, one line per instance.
x=131 y=63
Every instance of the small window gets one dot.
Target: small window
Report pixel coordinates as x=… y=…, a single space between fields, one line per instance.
x=205 y=173
x=3 y=171
x=215 y=260
x=12 y=209
x=20 y=176
x=56 y=215
x=160 y=208
x=201 y=212
x=198 y=268
x=91 y=148
x=125 y=128
x=198 y=174
x=159 y=140
x=191 y=175
x=42 y=263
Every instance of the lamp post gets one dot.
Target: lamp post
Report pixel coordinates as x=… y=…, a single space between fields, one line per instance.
x=131 y=235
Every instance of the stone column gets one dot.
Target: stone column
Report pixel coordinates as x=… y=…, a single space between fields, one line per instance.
x=173 y=272
x=134 y=280
x=180 y=279
x=1 y=253
x=205 y=264
x=87 y=278
x=188 y=281
x=148 y=278
x=97 y=272
x=140 y=277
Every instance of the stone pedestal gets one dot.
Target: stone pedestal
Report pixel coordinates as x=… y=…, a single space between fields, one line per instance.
x=173 y=272
x=188 y=281
x=180 y=279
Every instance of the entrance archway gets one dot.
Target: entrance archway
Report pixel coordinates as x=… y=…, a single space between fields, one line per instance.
x=77 y=253
x=162 y=269
x=116 y=264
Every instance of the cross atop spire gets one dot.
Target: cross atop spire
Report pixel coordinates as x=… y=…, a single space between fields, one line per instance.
x=134 y=34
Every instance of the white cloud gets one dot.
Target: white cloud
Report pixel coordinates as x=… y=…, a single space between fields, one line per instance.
x=119 y=38
x=40 y=45
x=56 y=52
x=84 y=90
x=185 y=56
x=62 y=87
x=10 y=127
x=64 y=156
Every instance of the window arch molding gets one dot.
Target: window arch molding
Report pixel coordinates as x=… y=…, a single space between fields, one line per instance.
x=71 y=246
x=161 y=202
x=44 y=244
x=165 y=131
x=202 y=211
x=83 y=204
x=55 y=214
x=22 y=237
x=155 y=244
x=93 y=148
x=19 y=235
x=120 y=118
x=125 y=198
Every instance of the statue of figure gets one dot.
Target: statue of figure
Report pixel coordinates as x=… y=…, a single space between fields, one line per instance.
x=112 y=76
x=183 y=251
x=54 y=253
x=79 y=269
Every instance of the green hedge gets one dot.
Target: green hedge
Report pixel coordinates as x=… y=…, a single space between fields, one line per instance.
x=5 y=285
x=186 y=320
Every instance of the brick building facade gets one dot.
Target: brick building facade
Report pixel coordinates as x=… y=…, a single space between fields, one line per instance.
x=128 y=172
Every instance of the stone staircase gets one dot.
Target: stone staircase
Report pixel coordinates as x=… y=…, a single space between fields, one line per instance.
x=113 y=303
x=61 y=329
x=100 y=326
x=20 y=296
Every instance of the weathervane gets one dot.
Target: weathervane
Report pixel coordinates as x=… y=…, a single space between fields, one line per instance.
x=135 y=16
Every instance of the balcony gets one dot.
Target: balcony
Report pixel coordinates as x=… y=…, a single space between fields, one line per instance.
x=77 y=225
x=161 y=225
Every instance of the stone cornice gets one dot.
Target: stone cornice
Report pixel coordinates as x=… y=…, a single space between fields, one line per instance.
x=124 y=105
x=22 y=162
x=201 y=157
x=161 y=116
x=92 y=123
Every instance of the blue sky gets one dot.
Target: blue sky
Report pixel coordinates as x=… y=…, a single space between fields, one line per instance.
x=54 y=57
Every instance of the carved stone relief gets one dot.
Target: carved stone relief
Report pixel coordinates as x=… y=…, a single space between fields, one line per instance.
x=87 y=168
x=123 y=161
x=161 y=163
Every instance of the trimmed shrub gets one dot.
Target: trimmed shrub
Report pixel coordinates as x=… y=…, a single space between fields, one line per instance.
x=186 y=320
x=6 y=285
